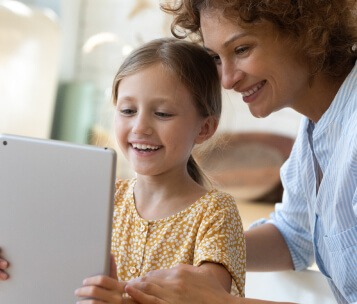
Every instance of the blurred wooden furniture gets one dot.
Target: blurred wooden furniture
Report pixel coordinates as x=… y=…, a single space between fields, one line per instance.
x=247 y=165
x=252 y=211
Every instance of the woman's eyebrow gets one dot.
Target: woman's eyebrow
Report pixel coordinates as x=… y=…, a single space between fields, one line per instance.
x=232 y=39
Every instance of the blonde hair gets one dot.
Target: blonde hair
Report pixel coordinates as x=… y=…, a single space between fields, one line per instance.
x=193 y=67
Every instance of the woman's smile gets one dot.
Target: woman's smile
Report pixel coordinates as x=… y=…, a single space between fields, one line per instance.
x=250 y=94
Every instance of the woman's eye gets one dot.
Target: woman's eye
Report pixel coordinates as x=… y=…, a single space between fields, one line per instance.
x=216 y=59
x=241 y=50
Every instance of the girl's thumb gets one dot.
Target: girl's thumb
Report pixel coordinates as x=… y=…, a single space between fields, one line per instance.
x=113 y=268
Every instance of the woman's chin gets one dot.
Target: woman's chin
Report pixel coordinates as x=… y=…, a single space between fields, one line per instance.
x=259 y=113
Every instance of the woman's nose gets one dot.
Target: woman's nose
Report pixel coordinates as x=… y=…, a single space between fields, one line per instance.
x=230 y=76
x=142 y=125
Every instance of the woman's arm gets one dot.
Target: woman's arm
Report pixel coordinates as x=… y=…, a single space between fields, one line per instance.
x=267 y=250
x=183 y=284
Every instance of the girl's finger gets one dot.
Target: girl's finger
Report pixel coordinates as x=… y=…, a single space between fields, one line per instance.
x=113 y=268
x=105 y=282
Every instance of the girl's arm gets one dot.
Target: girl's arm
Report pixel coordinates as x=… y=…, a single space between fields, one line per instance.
x=220 y=272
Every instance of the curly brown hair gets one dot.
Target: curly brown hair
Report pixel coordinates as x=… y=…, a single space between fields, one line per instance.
x=325 y=31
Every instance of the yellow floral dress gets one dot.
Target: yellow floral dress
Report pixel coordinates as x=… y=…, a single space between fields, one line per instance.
x=210 y=230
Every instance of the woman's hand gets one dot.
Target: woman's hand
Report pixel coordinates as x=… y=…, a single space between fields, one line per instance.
x=3 y=266
x=182 y=284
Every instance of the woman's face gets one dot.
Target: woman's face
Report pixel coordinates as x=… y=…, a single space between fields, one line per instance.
x=256 y=63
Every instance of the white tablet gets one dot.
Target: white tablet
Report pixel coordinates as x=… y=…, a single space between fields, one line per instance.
x=56 y=203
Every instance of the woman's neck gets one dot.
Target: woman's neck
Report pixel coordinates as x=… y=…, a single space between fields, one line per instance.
x=319 y=96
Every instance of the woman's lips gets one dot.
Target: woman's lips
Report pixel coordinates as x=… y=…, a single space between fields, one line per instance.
x=254 y=89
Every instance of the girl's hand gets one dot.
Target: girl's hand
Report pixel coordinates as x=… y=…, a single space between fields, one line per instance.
x=102 y=289
x=3 y=266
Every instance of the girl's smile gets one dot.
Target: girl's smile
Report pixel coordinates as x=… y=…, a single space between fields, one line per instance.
x=157 y=123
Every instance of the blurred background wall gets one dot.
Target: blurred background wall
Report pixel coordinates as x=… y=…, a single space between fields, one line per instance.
x=58 y=59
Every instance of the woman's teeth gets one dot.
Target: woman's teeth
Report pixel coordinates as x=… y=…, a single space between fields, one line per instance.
x=253 y=90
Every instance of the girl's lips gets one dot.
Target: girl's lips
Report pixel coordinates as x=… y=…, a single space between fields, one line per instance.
x=145 y=148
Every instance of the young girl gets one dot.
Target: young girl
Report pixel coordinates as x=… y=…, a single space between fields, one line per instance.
x=168 y=98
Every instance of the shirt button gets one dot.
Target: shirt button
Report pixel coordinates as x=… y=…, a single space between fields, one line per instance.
x=142 y=228
x=132 y=270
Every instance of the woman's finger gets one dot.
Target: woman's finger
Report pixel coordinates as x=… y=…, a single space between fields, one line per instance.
x=145 y=293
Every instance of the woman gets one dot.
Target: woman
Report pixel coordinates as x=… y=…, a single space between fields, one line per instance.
x=299 y=54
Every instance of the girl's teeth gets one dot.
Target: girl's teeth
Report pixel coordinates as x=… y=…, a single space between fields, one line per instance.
x=145 y=147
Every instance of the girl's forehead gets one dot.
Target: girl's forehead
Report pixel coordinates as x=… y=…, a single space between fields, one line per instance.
x=154 y=80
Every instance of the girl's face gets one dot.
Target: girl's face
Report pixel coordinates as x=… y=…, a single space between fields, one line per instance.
x=258 y=64
x=156 y=122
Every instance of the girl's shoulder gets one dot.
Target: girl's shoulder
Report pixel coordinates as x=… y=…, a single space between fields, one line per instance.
x=124 y=189
x=124 y=184
x=216 y=199
x=219 y=195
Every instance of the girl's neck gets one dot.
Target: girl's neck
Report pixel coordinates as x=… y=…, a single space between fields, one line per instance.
x=158 y=197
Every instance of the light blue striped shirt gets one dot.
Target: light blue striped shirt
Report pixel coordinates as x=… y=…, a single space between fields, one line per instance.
x=319 y=220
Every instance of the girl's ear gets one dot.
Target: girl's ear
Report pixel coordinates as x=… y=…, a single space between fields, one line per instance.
x=208 y=128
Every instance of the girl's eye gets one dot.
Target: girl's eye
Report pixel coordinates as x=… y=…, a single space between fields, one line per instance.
x=127 y=112
x=163 y=115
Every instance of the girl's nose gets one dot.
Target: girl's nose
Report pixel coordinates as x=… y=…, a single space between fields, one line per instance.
x=230 y=76
x=142 y=126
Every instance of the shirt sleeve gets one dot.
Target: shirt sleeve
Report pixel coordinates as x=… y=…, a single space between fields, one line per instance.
x=220 y=240
x=291 y=216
